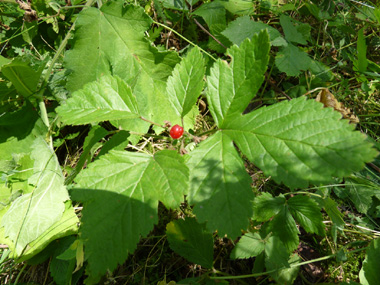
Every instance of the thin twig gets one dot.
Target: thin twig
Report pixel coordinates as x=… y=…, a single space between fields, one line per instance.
x=207 y=32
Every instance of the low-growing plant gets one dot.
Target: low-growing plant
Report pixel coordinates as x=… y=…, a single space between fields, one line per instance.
x=115 y=74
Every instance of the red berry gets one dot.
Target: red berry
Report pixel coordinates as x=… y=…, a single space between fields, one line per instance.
x=176 y=132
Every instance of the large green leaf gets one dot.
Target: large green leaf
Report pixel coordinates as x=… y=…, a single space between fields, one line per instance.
x=360 y=190
x=370 y=273
x=108 y=99
x=191 y=240
x=299 y=142
x=120 y=192
x=111 y=40
x=294 y=31
x=307 y=213
x=32 y=214
x=185 y=85
x=220 y=186
x=231 y=87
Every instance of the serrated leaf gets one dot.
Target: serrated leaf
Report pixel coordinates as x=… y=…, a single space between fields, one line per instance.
x=292 y=60
x=299 y=142
x=213 y=13
x=307 y=213
x=276 y=254
x=219 y=186
x=287 y=275
x=370 y=273
x=265 y=206
x=117 y=142
x=185 y=84
x=191 y=240
x=243 y=28
x=120 y=192
x=230 y=88
x=250 y=245
x=239 y=7
x=108 y=99
x=284 y=227
x=32 y=214
x=111 y=40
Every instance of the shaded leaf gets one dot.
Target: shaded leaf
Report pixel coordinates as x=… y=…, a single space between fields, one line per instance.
x=307 y=213
x=294 y=31
x=370 y=273
x=265 y=206
x=219 y=186
x=120 y=192
x=250 y=245
x=292 y=60
x=243 y=28
x=276 y=254
x=191 y=240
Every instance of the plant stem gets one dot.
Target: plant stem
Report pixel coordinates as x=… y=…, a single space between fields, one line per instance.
x=182 y=37
x=151 y=122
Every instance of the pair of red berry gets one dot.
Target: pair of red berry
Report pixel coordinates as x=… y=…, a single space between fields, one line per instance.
x=176 y=132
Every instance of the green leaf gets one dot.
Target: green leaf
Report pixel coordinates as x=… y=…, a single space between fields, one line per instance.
x=186 y=83
x=287 y=275
x=111 y=40
x=24 y=75
x=360 y=191
x=117 y=142
x=284 y=227
x=370 y=273
x=292 y=60
x=191 y=240
x=276 y=254
x=243 y=28
x=299 y=142
x=265 y=206
x=175 y=4
x=32 y=214
x=307 y=213
x=239 y=7
x=250 y=245
x=213 y=13
x=331 y=208
x=362 y=62
x=108 y=99
x=230 y=88
x=66 y=226
x=120 y=191
x=220 y=186
x=294 y=31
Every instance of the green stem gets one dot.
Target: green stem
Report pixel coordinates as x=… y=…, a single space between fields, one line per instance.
x=182 y=37
x=151 y=122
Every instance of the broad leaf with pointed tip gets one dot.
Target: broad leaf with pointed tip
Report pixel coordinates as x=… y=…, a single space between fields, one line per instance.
x=185 y=84
x=250 y=245
x=299 y=142
x=120 y=191
x=32 y=214
x=108 y=99
x=231 y=87
x=220 y=186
